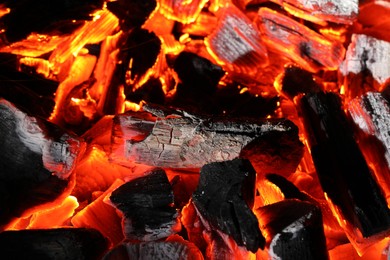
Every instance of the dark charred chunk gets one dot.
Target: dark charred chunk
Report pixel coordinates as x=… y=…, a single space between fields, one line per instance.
x=224 y=197
x=295 y=230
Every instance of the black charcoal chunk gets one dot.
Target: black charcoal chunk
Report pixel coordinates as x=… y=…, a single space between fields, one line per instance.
x=342 y=170
x=224 y=197
x=45 y=16
x=295 y=230
x=150 y=92
x=164 y=250
x=146 y=204
x=55 y=244
x=131 y=13
x=296 y=80
x=36 y=161
x=198 y=73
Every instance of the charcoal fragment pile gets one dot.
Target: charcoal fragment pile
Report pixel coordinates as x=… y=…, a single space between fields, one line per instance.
x=200 y=129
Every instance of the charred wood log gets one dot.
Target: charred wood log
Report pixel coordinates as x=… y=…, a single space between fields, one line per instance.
x=342 y=170
x=66 y=243
x=366 y=66
x=294 y=230
x=146 y=204
x=326 y=10
x=371 y=115
x=224 y=197
x=36 y=161
x=309 y=49
x=296 y=81
x=236 y=43
x=44 y=17
x=176 y=139
x=164 y=250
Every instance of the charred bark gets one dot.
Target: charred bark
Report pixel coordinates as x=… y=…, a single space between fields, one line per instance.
x=225 y=196
x=36 y=161
x=342 y=170
x=176 y=139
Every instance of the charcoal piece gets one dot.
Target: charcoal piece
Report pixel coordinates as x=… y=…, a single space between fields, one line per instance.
x=62 y=243
x=294 y=230
x=237 y=43
x=344 y=12
x=131 y=13
x=307 y=48
x=177 y=139
x=146 y=204
x=45 y=17
x=342 y=170
x=366 y=65
x=224 y=197
x=198 y=73
x=36 y=161
x=296 y=80
x=164 y=250
x=371 y=115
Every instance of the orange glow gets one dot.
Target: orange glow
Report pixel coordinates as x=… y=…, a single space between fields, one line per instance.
x=54 y=217
x=130 y=106
x=269 y=194
x=304 y=15
x=184 y=11
x=102 y=216
x=4 y=11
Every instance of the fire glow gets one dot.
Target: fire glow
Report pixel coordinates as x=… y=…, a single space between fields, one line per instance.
x=196 y=129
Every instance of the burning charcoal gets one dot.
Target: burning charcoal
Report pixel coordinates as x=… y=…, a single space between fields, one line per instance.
x=309 y=49
x=197 y=72
x=176 y=139
x=345 y=177
x=367 y=58
x=44 y=17
x=167 y=250
x=102 y=217
x=66 y=243
x=36 y=161
x=324 y=10
x=182 y=11
x=296 y=80
x=146 y=203
x=236 y=43
x=371 y=115
x=224 y=197
x=150 y=92
x=289 y=190
x=131 y=13
x=293 y=230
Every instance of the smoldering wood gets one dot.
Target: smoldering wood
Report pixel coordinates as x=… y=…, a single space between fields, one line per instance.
x=371 y=116
x=36 y=161
x=131 y=13
x=146 y=203
x=289 y=190
x=344 y=12
x=63 y=243
x=366 y=66
x=176 y=139
x=307 y=48
x=342 y=170
x=296 y=81
x=224 y=197
x=44 y=17
x=237 y=43
x=295 y=230
x=170 y=250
